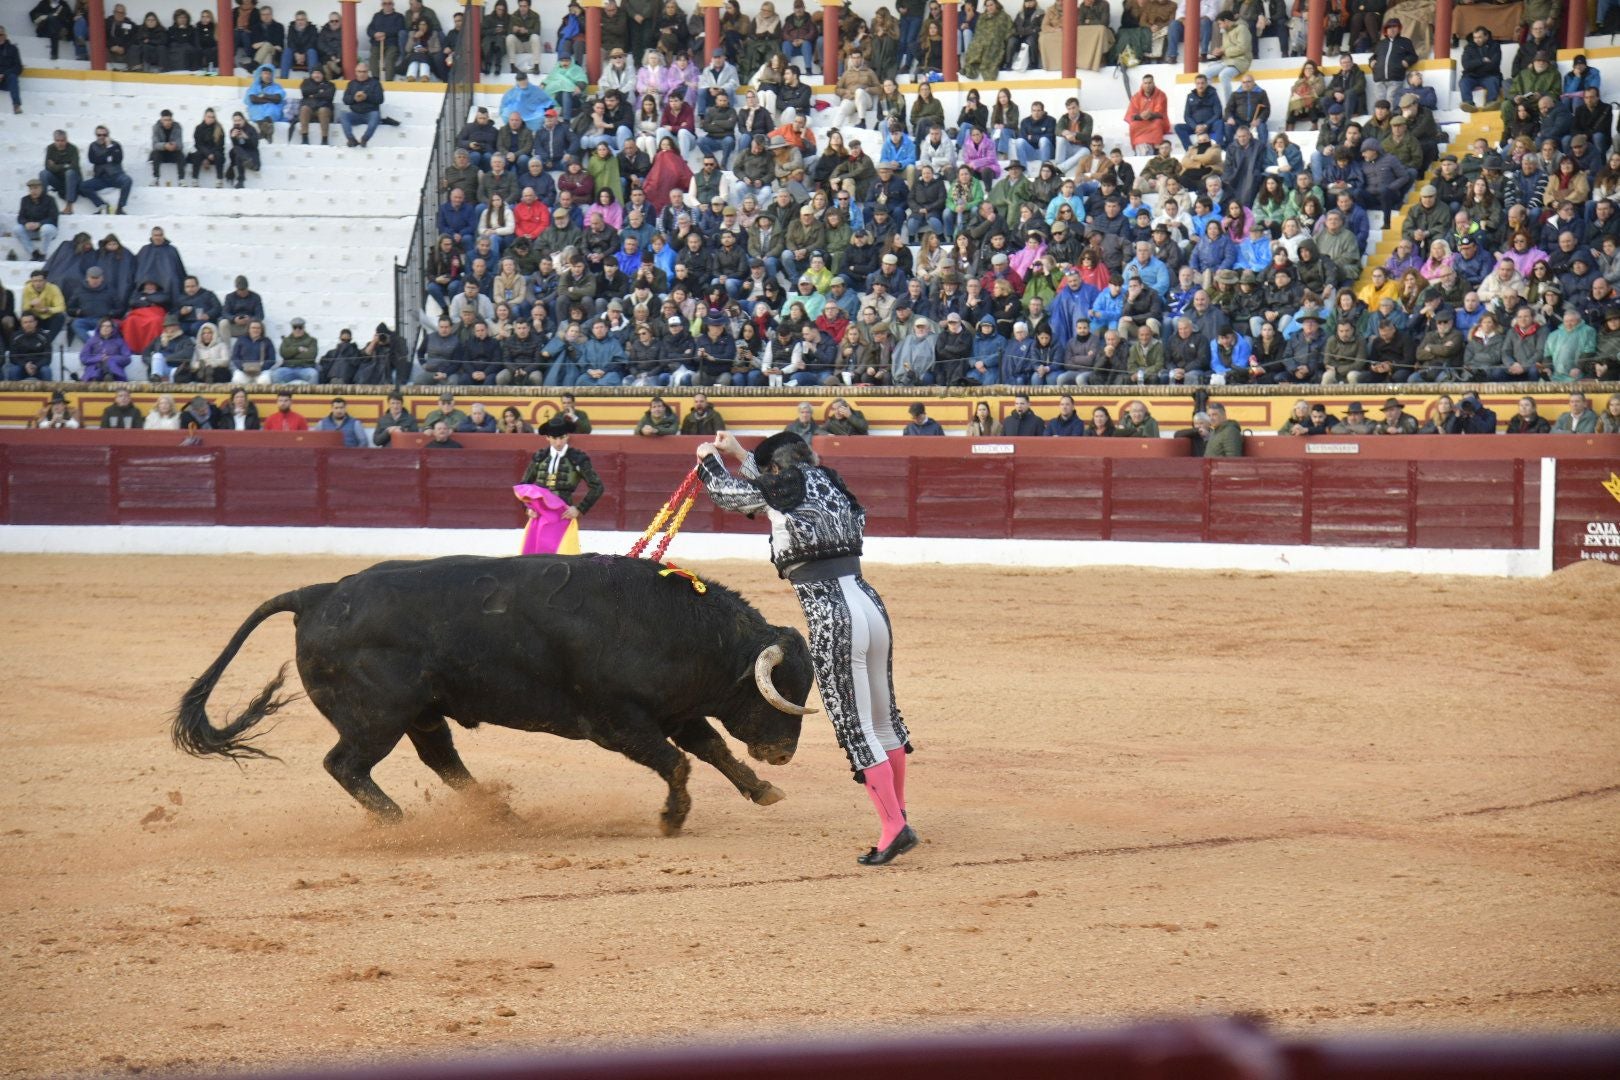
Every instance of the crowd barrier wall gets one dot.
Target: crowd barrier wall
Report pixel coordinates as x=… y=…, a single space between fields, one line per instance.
x=1258 y=411
x=1011 y=489
x=1202 y=1049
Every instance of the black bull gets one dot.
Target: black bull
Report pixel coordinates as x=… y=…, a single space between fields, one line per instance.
x=587 y=647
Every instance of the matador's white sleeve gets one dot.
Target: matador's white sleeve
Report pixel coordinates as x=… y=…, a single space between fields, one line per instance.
x=731 y=492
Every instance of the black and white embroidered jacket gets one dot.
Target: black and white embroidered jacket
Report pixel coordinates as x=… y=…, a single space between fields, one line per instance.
x=813 y=516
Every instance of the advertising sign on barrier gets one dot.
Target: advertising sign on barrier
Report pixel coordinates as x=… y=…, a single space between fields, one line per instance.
x=1587 y=525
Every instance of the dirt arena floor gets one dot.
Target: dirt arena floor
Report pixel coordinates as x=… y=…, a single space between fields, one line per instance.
x=1374 y=803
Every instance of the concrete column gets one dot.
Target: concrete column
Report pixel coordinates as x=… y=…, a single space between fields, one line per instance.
x=593 y=39
x=97 y=17
x=1442 y=29
x=351 y=38
x=949 y=28
x=830 y=10
x=1071 y=19
x=1575 y=24
x=1316 y=32
x=1189 y=36
x=711 y=30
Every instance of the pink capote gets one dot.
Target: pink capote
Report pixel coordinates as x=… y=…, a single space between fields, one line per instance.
x=548 y=530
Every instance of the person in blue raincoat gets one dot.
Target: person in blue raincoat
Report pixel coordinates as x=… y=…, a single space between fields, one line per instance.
x=528 y=101
x=265 y=101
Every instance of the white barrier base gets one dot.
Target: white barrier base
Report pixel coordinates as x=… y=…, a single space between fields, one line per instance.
x=417 y=543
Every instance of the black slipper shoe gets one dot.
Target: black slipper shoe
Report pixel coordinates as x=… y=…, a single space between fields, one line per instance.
x=901 y=844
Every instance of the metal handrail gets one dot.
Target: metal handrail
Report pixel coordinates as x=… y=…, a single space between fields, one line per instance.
x=410 y=291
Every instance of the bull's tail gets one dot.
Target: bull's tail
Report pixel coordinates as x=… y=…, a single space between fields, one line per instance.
x=194 y=733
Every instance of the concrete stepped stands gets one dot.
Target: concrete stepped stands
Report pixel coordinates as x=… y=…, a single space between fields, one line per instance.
x=316 y=231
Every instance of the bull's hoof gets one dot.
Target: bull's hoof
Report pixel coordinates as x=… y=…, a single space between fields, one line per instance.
x=769 y=795
x=670 y=826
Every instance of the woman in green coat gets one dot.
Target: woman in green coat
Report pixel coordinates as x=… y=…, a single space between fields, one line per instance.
x=989 y=47
x=603 y=166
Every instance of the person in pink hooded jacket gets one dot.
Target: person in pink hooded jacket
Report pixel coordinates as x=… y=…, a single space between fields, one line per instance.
x=979 y=154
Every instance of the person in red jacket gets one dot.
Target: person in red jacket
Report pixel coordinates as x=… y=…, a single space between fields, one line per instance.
x=1148 y=115
x=284 y=419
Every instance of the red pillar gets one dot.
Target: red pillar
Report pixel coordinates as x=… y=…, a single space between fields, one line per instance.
x=1316 y=20
x=473 y=27
x=711 y=29
x=351 y=39
x=1442 y=30
x=1071 y=18
x=1189 y=37
x=1575 y=24
x=98 y=35
x=829 y=39
x=225 y=36
x=949 y=28
x=593 y=39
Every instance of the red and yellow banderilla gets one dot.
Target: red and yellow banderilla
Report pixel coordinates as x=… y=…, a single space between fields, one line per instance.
x=669 y=519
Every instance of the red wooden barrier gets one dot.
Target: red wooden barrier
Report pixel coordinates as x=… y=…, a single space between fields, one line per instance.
x=1193 y=1050
x=1046 y=489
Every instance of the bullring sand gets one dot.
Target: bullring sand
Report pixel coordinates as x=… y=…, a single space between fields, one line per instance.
x=1339 y=802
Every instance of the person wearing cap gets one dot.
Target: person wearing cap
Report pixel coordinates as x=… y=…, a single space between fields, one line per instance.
x=561 y=469
x=1531 y=83
x=912 y=362
x=718 y=77
x=1397 y=421
x=299 y=352
x=1355 y=422
x=1385 y=180
x=1392 y=57
x=35 y=226
x=1440 y=351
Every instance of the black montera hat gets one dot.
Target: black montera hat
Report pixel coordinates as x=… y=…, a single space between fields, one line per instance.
x=767 y=449
x=558 y=426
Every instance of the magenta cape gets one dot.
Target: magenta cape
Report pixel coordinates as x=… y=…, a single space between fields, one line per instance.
x=548 y=532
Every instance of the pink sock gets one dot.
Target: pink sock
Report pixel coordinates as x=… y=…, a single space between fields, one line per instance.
x=880 y=787
x=897 y=762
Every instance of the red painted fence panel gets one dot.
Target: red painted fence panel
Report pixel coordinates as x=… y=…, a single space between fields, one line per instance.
x=1056 y=499
x=1360 y=503
x=1044 y=489
x=60 y=485
x=166 y=487
x=1254 y=502
x=1158 y=499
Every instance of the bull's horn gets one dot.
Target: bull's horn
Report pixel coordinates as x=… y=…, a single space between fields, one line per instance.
x=763 y=665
